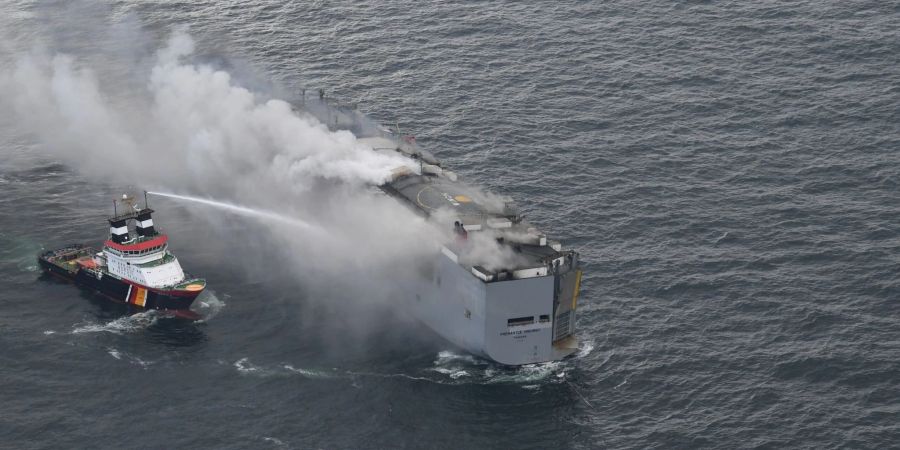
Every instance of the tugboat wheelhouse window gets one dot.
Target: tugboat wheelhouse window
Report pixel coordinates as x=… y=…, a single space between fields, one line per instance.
x=136 y=252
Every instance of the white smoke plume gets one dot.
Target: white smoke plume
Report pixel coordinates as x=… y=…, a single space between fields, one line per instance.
x=189 y=128
x=193 y=122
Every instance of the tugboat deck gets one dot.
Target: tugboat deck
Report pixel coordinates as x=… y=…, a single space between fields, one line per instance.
x=67 y=258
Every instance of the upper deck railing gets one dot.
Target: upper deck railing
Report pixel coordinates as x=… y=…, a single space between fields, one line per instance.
x=131 y=209
x=130 y=215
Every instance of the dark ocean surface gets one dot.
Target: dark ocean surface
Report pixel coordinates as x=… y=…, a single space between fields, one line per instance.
x=728 y=170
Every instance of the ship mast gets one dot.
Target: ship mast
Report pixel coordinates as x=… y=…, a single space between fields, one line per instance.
x=143 y=222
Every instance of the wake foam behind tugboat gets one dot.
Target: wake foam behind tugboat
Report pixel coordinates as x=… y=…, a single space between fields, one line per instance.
x=133 y=268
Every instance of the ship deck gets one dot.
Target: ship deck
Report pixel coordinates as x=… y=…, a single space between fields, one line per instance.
x=67 y=257
x=167 y=258
x=431 y=193
x=475 y=210
x=434 y=188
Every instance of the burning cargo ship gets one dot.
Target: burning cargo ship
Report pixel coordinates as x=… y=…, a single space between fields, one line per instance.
x=520 y=312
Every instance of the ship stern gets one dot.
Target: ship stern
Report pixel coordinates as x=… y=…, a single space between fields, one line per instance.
x=531 y=320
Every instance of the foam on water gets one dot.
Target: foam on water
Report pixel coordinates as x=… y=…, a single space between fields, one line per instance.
x=530 y=373
x=278 y=442
x=452 y=373
x=452 y=369
x=126 y=324
x=585 y=348
x=209 y=305
x=459 y=374
x=308 y=373
x=448 y=357
x=120 y=355
x=474 y=370
x=244 y=366
x=22 y=251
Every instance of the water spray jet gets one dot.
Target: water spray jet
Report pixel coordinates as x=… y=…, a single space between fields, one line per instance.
x=241 y=210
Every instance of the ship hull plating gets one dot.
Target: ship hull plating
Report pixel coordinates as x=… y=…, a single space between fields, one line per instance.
x=120 y=291
x=512 y=322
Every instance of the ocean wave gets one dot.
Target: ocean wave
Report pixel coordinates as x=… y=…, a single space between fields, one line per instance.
x=467 y=369
x=585 y=349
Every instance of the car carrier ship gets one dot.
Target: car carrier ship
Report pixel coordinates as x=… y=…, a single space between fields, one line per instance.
x=133 y=267
x=520 y=313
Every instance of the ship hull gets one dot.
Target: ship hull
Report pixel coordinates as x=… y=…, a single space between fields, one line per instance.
x=481 y=317
x=124 y=292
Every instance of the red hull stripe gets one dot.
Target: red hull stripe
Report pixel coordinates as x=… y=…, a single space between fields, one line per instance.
x=162 y=239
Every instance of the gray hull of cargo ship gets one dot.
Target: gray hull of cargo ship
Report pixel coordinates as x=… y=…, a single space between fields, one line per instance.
x=514 y=322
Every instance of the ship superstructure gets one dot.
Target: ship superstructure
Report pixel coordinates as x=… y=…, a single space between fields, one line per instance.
x=501 y=289
x=134 y=266
x=516 y=304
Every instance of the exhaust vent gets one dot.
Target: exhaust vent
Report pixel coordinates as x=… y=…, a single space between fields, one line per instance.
x=520 y=321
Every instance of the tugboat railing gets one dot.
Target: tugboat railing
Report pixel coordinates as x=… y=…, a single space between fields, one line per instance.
x=130 y=215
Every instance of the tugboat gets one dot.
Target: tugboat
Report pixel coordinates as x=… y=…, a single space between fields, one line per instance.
x=135 y=269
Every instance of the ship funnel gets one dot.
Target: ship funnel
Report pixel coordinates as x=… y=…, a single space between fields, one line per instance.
x=118 y=230
x=143 y=223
